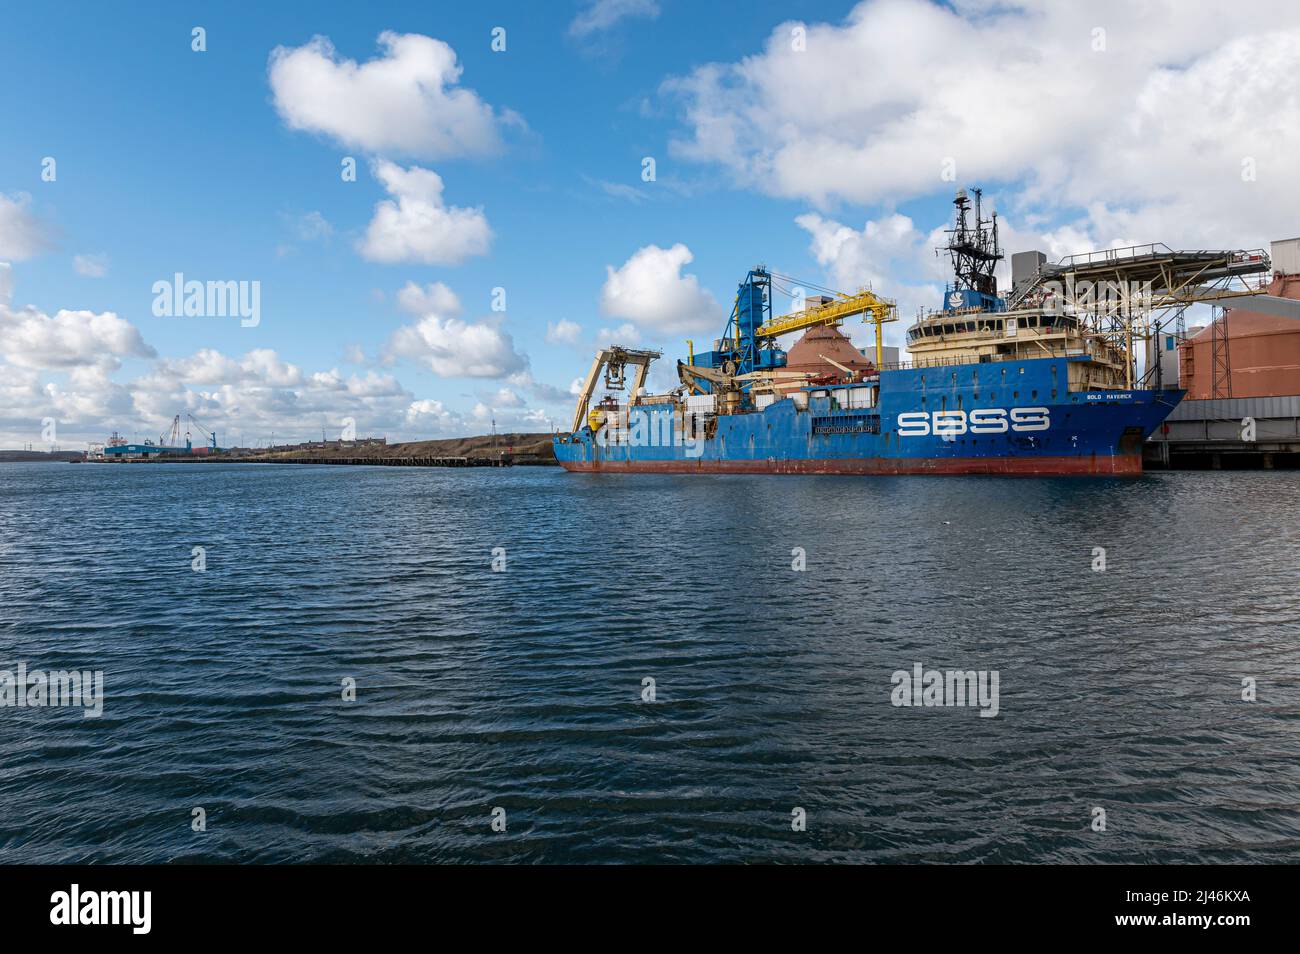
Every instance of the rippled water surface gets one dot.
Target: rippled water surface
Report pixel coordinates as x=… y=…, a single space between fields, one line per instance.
x=522 y=689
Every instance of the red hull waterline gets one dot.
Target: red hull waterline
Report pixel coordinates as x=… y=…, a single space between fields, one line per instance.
x=1121 y=465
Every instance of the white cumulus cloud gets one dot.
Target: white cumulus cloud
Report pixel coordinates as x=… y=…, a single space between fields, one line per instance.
x=259 y=393
x=504 y=398
x=417 y=226
x=22 y=235
x=32 y=339
x=1168 y=122
x=62 y=367
x=432 y=418
x=406 y=101
x=650 y=290
x=873 y=257
x=625 y=335
x=562 y=331
x=448 y=346
x=434 y=298
x=857 y=258
x=453 y=348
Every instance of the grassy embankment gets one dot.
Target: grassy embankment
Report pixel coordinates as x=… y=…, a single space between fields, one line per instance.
x=518 y=445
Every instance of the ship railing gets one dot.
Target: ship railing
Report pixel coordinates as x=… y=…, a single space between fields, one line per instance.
x=1061 y=325
x=1116 y=254
x=981 y=359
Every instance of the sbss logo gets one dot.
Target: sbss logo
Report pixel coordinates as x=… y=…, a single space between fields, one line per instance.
x=985 y=420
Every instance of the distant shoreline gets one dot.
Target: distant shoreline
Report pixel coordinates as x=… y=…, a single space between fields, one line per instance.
x=33 y=457
x=519 y=449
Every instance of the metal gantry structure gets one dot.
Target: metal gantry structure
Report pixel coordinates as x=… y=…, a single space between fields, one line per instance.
x=742 y=347
x=1125 y=295
x=749 y=341
x=875 y=309
x=614 y=361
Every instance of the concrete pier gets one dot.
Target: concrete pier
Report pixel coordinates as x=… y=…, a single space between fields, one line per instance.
x=1228 y=434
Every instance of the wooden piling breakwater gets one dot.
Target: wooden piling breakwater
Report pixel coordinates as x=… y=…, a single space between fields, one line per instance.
x=386 y=461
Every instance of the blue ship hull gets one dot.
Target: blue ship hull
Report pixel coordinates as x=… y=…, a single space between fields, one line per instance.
x=1013 y=417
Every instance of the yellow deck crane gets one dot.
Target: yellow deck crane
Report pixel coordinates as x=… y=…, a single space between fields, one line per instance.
x=615 y=361
x=865 y=302
x=738 y=351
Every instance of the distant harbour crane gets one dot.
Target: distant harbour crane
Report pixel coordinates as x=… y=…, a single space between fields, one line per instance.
x=210 y=435
x=171 y=438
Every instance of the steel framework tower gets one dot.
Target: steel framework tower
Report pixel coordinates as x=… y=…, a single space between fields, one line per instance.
x=973 y=248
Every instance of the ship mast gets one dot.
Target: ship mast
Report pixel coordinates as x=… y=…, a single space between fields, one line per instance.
x=973 y=248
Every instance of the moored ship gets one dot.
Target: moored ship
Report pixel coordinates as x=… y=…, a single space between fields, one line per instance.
x=1040 y=386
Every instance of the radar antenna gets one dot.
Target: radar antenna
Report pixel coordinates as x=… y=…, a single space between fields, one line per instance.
x=973 y=248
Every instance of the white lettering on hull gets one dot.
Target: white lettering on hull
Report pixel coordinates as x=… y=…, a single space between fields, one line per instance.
x=985 y=420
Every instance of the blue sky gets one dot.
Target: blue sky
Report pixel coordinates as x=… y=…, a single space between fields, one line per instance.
x=824 y=162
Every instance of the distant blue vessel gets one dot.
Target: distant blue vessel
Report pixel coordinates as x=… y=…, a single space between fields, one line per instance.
x=1032 y=389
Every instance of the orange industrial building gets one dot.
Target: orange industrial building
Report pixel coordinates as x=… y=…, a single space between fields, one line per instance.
x=1261 y=353
x=1242 y=375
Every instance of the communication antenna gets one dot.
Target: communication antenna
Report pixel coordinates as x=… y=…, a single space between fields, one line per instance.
x=973 y=246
